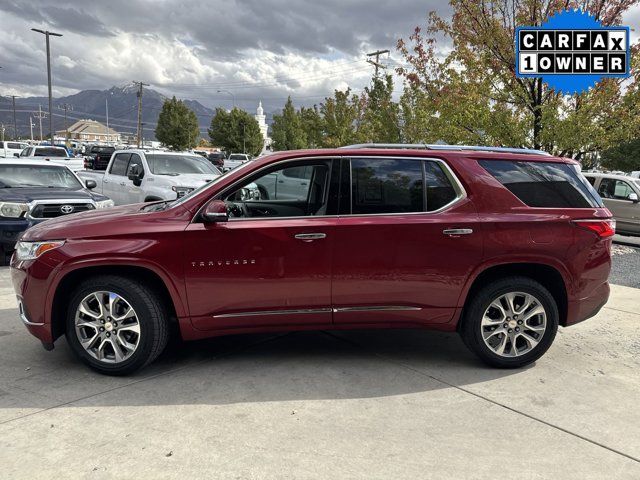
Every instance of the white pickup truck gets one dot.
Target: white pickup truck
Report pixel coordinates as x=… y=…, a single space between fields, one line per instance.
x=135 y=176
x=53 y=154
x=235 y=160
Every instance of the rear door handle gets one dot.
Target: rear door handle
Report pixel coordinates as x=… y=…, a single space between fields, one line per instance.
x=123 y=184
x=454 y=232
x=310 y=237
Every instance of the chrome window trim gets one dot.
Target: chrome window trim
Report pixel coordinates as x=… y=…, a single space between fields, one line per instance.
x=274 y=312
x=451 y=176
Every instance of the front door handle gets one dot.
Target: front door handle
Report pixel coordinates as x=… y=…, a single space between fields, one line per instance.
x=310 y=237
x=454 y=232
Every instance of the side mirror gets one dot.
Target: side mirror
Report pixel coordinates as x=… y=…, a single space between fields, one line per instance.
x=633 y=196
x=135 y=174
x=90 y=184
x=215 y=211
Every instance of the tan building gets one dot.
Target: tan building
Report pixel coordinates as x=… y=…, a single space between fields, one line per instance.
x=90 y=130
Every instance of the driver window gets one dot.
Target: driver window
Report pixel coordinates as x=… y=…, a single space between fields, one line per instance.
x=295 y=191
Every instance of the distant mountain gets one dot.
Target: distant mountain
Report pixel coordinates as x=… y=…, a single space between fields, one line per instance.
x=123 y=110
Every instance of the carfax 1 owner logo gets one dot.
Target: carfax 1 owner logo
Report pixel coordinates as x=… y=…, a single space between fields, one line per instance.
x=572 y=51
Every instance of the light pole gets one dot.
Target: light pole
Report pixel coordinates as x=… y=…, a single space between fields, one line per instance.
x=233 y=97
x=47 y=33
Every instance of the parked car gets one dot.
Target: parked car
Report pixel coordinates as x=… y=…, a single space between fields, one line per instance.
x=135 y=176
x=9 y=149
x=97 y=156
x=53 y=154
x=620 y=194
x=217 y=159
x=234 y=160
x=501 y=245
x=32 y=191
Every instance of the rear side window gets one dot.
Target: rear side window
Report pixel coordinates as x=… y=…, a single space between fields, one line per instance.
x=386 y=186
x=440 y=192
x=544 y=184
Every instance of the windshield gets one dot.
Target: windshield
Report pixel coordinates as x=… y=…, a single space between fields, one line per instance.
x=17 y=176
x=237 y=157
x=103 y=149
x=177 y=164
x=50 y=152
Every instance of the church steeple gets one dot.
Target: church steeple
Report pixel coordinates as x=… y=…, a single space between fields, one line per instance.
x=260 y=111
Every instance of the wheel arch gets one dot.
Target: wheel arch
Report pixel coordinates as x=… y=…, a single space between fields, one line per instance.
x=547 y=275
x=73 y=278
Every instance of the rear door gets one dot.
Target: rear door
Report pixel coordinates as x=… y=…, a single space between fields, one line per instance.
x=615 y=195
x=406 y=240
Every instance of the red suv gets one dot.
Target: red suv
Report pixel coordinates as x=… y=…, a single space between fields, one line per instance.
x=502 y=245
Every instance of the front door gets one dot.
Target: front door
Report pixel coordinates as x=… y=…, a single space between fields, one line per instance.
x=114 y=181
x=405 y=245
x=270 y=264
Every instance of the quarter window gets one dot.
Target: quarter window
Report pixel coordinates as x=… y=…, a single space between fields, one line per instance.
x=386 y=186
x=544 y=184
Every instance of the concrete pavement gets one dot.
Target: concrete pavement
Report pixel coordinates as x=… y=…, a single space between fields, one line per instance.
x=376 y=404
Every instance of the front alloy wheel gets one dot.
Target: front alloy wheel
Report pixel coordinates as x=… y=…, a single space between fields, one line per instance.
x=117 y=324
x=107 y=327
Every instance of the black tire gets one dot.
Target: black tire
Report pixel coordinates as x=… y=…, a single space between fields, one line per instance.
x=471 y=328
x=152 y=317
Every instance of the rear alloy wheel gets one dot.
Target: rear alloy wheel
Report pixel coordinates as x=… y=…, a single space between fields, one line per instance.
x=511 y=322
x=116 y=325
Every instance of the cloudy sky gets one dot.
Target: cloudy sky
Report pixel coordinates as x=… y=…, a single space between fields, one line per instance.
x=256 y=49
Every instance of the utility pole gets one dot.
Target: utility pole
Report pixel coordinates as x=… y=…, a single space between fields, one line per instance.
x=40 y=117
x=47 y=34
x=15 y=124
x=66 y=107
x=106 y=107
x=140 y=85
x=31 y=125
x=377 y=63
x=2 y=128
x=141 y=135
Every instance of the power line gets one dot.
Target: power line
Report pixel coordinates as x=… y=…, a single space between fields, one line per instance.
x=377 y=63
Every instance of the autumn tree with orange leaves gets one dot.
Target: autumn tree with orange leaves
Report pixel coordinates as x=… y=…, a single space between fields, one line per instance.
x=460 y=83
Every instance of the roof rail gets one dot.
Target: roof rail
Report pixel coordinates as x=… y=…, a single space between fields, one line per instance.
x=424 y=146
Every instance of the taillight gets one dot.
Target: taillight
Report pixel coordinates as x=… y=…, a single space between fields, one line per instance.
x=603 y=228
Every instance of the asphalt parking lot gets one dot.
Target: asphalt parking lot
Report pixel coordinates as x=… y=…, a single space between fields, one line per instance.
x=378 y=404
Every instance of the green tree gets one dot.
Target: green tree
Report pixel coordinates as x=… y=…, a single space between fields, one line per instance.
x=381 y=115
x=236 y=131
x=341 y=119
x=472 y=95
x=625 y=157
x=177 y=126
x=287 y=132
x=312 y=125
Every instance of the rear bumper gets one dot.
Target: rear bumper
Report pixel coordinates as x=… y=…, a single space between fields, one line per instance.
x=587 y=307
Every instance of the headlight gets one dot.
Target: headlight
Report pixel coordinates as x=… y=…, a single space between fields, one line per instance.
x=104 y=204
x=182 y=191
x=13 y=210
x=32 y=250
